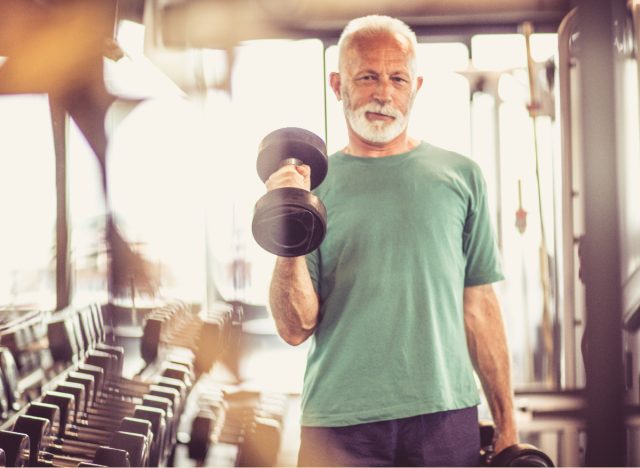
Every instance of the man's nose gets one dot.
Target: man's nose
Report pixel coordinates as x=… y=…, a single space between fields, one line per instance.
x=383 y=90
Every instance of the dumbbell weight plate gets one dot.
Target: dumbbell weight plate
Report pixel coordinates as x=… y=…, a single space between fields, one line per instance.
x=521 y=455
x=134 y=444
x=109 y=456
x=289 y=222
x=38 y=431
x=16 y=448
x=293 y=142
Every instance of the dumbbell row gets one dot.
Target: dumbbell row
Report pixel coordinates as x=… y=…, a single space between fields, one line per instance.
x=133 y=437
x=251 y=421
x=99 y=377
x=76 y=397
x=105 y=394
x=165 y=389
x=18 y=453
x=160 y=324
x=212 y=334
x=77 y=337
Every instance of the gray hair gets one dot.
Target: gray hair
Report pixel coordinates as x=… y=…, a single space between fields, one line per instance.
x=376 y=24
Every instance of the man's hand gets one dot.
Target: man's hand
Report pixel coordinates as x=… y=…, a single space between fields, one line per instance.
x=290 y=175
x=503 y=440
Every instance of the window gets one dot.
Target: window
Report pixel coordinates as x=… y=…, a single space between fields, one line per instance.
x=27 y=203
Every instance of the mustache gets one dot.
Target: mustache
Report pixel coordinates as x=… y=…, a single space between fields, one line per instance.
x=384 y=109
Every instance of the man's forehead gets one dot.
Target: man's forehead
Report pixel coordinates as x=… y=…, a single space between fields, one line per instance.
x=377 y=46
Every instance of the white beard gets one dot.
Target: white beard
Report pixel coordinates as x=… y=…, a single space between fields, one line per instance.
x=377 y=131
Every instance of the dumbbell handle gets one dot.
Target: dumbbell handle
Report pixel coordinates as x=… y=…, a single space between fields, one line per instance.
x=291 y=162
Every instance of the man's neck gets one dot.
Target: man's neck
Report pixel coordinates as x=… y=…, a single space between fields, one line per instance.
x=366 y=149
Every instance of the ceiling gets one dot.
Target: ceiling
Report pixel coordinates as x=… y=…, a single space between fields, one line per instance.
x=206 y=22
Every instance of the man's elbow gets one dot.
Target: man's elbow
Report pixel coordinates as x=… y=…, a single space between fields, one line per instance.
x=294 y=338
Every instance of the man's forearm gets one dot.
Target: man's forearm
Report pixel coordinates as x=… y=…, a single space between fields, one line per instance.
x=294 y=302
x=490 y=356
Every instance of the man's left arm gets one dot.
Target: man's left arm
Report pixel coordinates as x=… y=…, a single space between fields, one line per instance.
x=489 y=353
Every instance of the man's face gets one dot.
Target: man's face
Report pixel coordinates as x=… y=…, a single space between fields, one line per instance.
x=377 y=87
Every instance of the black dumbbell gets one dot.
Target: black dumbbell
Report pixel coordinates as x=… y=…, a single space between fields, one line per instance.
x=520 y=455
x=205 y=428
x=514 y=455
x=290 y=222
x=109 y=456
x=15 y=447
x=10 y=379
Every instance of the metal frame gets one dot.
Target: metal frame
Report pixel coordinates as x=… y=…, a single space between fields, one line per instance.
x=567 y=290
x=59 y=123
x=601 y=263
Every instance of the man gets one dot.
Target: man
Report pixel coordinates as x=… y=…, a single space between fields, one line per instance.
x=398 y=297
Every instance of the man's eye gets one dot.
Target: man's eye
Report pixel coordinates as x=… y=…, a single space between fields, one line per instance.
x=399 y=79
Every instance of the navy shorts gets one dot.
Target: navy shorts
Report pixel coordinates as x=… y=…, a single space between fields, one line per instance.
x=447 y=438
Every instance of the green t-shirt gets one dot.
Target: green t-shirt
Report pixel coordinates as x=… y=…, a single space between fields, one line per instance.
x=405 y=235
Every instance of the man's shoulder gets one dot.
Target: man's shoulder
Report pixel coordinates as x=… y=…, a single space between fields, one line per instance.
x=449 y=159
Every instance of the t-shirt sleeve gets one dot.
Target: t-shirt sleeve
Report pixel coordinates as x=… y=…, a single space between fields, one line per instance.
x=483 y=263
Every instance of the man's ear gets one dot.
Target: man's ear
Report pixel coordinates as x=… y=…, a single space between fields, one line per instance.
x=334 y=82
x=419 y=83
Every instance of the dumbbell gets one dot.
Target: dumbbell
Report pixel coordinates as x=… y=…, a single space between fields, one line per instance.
x=78 y=442
x=514 y=455
x=11 y=379
x=38 y=431
x=290 y=222
x=15 y=447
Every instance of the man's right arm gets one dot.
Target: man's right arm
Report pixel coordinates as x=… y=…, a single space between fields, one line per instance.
x=293 y=299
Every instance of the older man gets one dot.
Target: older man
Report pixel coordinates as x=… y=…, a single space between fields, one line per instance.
x=398 y=298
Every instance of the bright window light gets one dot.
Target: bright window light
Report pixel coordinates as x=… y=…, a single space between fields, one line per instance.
x=498 y=52
x=27 y=202
x=134 y=75
x=156 y=190
x=453 y=56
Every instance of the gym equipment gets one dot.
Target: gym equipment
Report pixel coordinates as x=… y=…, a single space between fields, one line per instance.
x=252 y=421
x=521 y=455
x=290 y=222
x=38 y=431
x=514 y=455
x=16 y=448
x=89 y=441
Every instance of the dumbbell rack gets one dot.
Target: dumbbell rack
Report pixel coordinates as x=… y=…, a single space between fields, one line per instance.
x=87 y=405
